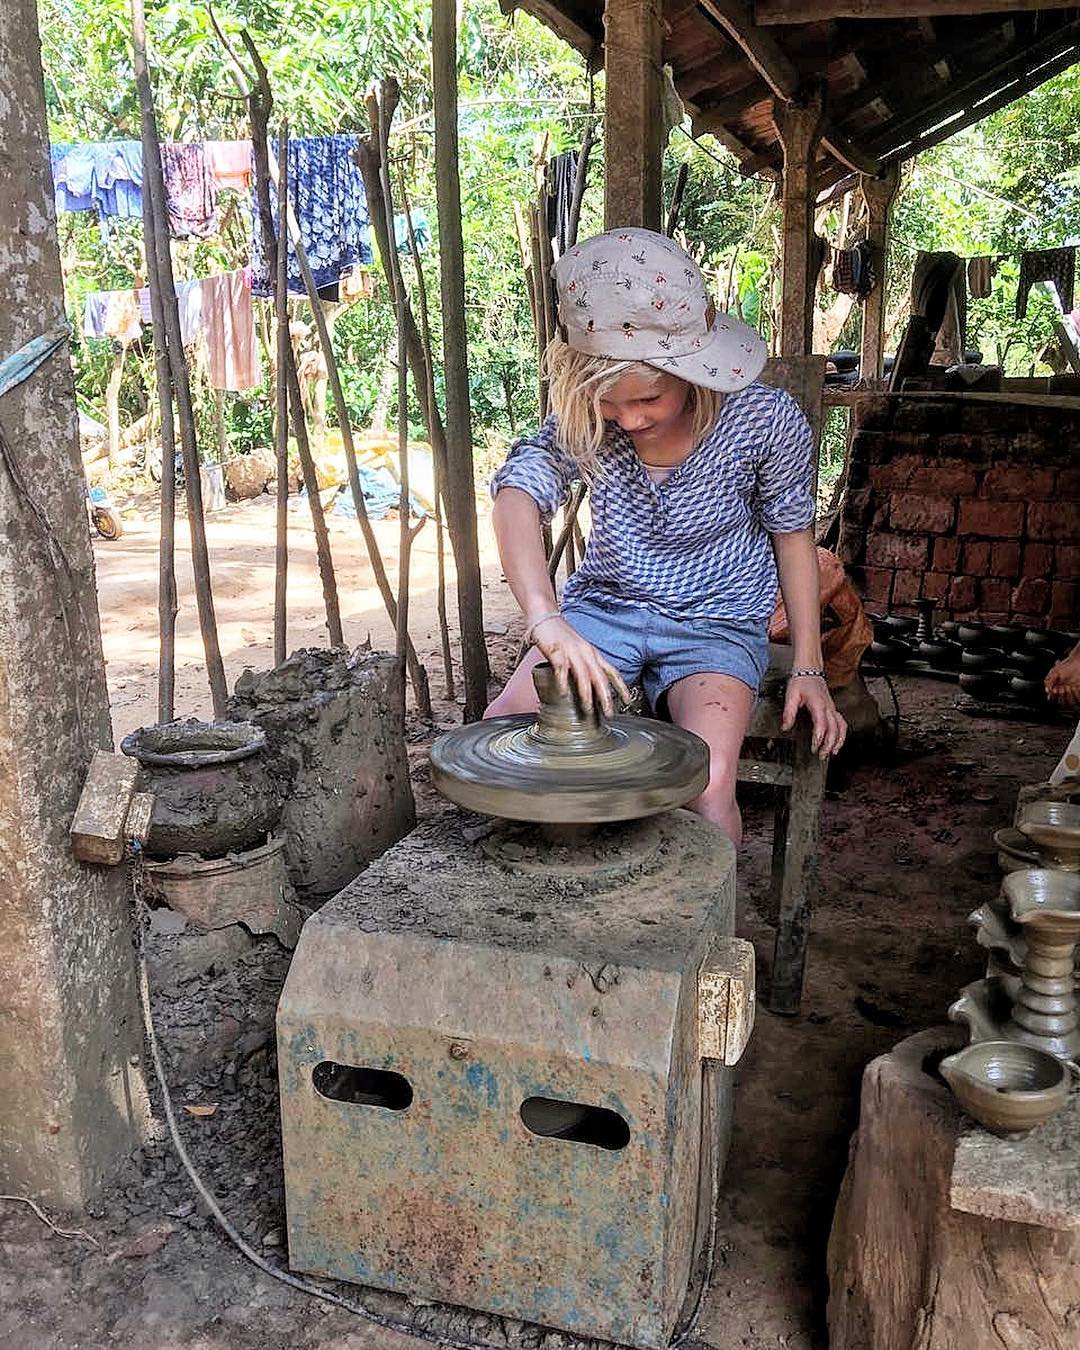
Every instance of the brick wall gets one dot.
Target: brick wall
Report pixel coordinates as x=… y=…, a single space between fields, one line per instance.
x=973 y=504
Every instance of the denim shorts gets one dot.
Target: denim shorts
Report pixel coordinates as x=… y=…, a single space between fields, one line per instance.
x=654 y=652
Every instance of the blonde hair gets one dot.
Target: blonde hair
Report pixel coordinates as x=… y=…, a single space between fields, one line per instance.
x=577 y=383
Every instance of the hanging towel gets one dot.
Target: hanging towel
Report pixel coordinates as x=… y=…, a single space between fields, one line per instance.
x=939 y=294
x=229 y=323
x=328 y=199
x=189 y=305
x=230 y=164
x=980 y=275
x=190 y=192
x=1056 y=265
x=846 y=266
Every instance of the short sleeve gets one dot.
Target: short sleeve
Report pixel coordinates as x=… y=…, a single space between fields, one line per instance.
x=785 y=471
x=539 y=466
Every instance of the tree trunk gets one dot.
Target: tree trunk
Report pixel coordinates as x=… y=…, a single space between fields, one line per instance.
x=459 y=481
x=909 y=1272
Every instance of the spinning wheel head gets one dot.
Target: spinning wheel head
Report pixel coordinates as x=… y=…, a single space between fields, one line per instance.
x=569 y=765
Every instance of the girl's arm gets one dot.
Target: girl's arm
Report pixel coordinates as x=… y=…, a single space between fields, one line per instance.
x=796 y=563
x=516 y=518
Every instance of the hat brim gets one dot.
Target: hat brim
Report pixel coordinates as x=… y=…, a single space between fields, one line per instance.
x=730 y=359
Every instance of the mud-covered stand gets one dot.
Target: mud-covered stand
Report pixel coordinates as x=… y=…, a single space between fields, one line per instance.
x=505 y=1049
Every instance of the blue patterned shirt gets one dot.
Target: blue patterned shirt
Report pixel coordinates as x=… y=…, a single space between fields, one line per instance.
x=697 y=545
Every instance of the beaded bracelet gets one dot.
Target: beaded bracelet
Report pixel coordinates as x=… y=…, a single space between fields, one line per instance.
x=817 y=674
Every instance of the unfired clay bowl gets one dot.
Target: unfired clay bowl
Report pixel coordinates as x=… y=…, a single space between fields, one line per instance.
x=1054 y=827
x=1007 y=1087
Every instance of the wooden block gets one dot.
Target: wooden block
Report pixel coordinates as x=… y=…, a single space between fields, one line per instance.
x=726 y=1001
x=98 y=831
x=137 y=824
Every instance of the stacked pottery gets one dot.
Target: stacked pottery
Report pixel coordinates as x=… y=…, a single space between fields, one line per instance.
x=1025 y=1014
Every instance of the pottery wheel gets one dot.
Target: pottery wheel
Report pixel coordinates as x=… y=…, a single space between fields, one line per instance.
x=566 y=765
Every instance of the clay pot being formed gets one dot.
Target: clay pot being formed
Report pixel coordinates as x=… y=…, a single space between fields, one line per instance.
x=1006 y=1086
x=213 y=794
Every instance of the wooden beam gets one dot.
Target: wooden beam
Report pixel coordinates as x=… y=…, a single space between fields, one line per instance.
x=849 y=155
x=799 y=129
x=633 y=140
x=760 y=48
x=727 y=109
x=887 y=140
x=577 y=34
x=773 y=12
x=878 y=193
x=1023 y=85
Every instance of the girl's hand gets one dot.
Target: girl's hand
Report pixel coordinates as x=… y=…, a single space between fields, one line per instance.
x=572 y=657
x=812 y=693
x=1063 y=681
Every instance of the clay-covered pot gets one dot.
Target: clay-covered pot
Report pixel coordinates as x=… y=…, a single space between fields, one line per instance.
x=1006 y=1086
x=980 y=684
x=972 y=634
x=213 y=794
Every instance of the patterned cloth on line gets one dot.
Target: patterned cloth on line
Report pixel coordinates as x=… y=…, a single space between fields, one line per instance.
x=697 y=545
x=326 y=189
x=190 y=191
x=1056 y=265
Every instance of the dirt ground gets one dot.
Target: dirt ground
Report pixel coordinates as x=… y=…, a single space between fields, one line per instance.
x=906 y=854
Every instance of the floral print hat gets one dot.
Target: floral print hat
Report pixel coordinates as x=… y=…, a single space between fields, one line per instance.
x=637 y=296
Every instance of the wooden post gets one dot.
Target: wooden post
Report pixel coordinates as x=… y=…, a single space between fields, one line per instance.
x=878 y=193
x=633 y=137
x=799 y=129
x=160 y=276
x=281 y=406
x=460 y=489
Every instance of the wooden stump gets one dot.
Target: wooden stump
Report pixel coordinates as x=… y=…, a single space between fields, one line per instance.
x=907 y=1271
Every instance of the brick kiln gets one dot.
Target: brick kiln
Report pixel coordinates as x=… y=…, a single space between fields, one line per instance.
x=971 y=502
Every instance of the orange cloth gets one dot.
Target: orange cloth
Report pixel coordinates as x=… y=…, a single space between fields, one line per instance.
x=849 y=632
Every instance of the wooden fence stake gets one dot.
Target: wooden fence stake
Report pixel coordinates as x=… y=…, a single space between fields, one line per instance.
x=161 y=277
x=281 y=404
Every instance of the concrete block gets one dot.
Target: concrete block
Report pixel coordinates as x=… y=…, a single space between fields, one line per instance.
x=492 y=1089
x=336 y=751
x=97 y=831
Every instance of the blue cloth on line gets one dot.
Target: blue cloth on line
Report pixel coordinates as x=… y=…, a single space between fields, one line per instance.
x=106 y=176
x=20 y=365
x=421 y=231
x=326 y=189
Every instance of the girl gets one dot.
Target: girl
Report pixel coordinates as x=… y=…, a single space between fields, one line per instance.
x=700 y=488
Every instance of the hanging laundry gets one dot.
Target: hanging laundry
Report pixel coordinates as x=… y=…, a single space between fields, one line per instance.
x=359 y=284
x=330 y=205
x=845 y=271
x=190 y=191
x=980 y=276
x=1056 y=265
x=421 y=231
x=189 y=303
x=105 y=176
x=939 y=294
x=230 y=164
x=229 y=324
x=113 y=314
x=559 y=178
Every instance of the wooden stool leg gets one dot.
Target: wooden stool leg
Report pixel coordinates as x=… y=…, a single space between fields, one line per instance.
x=799 y=874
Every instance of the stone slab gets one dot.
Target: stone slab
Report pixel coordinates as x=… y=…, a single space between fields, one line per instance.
x=1034 y=1179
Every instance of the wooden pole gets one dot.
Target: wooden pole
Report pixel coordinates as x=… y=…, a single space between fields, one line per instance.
x=167 y=601
x=878 y=194
x=460 y=487
x=389 y=94
x=672 y=222
x=260 y=102
x=581 y=178
x=799 y=129
x=429 y=396
x=281 y=404
x=633 y=143
x=161 y=277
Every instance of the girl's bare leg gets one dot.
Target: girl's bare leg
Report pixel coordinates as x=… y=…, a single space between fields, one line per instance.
x=717 y=708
